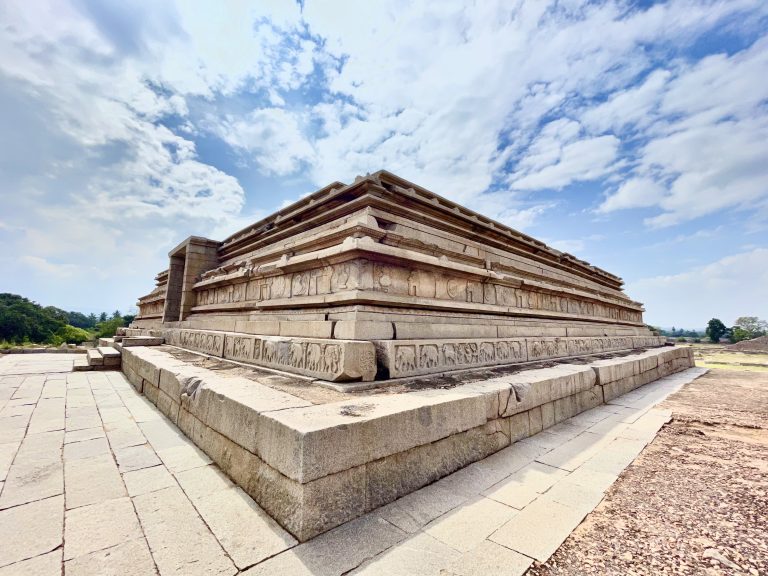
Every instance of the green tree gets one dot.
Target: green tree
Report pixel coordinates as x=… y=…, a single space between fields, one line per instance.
x=103 y=317
x=22 y=320
x=750 y=327
x=738 y=334
x=108 y=328
x=78 y=320
x=92 y=319
x=716 y=330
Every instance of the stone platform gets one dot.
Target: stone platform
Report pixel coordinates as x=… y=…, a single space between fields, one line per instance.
x=316 y=458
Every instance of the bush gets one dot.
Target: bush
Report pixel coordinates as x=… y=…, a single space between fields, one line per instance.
x=682 y=339
x=72 y=335
x=108 y=328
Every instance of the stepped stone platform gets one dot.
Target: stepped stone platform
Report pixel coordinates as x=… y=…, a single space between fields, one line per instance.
x=314 y=458
x=372 y=338
x=382 y=279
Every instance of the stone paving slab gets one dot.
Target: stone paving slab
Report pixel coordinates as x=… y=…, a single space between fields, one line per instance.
x=75 y=493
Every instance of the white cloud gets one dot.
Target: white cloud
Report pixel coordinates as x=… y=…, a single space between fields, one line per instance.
x=272 y=137
x=582 y=160
x=706 y=130
x=50 y=269
x=728 y=288
x=634 y=193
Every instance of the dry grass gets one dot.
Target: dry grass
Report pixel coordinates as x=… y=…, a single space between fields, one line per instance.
x=719 y=357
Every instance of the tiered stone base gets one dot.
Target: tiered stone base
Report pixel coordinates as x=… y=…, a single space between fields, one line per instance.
x=315 y=466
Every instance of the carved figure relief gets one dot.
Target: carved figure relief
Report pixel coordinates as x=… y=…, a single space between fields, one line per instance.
x=449 y=354
x=270 y=352
x=428 y=356
x=314 y=357
x=331 y=358
x=486 y=353
x=457 y=289
x=342 y=274
x=405 y=358
x=300 y=284
x=297 y=355
x=383 y=278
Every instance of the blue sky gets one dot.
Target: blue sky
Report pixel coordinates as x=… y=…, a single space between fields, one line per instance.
x=631 y=134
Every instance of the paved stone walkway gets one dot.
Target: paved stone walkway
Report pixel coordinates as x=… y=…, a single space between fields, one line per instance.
x=95 y=477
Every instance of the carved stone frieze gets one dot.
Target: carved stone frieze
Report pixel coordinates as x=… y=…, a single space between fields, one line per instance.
x=334 y=360
x=386 y=278
x=414 y=357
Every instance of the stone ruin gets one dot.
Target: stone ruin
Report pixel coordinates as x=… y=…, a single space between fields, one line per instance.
x=379 y=337
x=382 y=279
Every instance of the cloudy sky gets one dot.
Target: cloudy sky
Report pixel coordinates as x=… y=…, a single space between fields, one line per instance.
x=632 y=134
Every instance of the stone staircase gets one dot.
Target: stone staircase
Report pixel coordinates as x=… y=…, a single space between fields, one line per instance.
x=107 y=355
x=104 y=357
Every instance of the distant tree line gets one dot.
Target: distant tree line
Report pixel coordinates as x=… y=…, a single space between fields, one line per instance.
x=745 y=328
x=680 y=332
x=22 y=321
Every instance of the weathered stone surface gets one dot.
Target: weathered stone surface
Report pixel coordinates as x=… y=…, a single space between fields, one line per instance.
x=179 y=540
x=131 y=558
x=43 y=565
x=37 y=471
x=336 y=552
x=420 y=554
x=234 y=406
x=146 y=480
x=489 y=558
x=92 y=480
x=141 y=341
x=363 y=330
x=31 y=529
x=468 y=526
x=98 y=526
x=334 y=437
x=244 y=530
x=393 y=476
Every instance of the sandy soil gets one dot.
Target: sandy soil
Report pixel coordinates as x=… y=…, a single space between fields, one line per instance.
x=695 y=501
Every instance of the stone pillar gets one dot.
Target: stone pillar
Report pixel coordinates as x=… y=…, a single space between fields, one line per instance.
x=188 y=261
x=202 y=255
x=173 y=291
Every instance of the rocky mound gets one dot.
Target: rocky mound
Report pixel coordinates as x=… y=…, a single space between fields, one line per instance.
x=755 y=345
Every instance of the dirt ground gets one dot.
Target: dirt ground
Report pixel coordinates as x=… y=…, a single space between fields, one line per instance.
x=695 y=501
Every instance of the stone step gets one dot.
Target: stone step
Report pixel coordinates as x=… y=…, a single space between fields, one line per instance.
x=95 y=358
x=141 y=341
x=117 y=338
x=81 y=365
x=106 y=341
x=110 y=355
